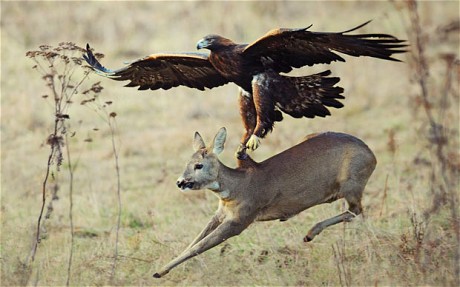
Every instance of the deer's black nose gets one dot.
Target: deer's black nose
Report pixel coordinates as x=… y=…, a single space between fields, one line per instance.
x=183 y=184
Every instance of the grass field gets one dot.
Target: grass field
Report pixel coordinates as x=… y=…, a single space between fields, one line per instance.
x=409 y=234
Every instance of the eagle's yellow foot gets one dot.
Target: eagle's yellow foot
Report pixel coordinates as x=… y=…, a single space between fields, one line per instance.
x=253 y=142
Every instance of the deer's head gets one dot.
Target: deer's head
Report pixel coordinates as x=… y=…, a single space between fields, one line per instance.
x=203 y=168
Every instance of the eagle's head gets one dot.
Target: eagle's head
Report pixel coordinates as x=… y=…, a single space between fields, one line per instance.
x=213 y=42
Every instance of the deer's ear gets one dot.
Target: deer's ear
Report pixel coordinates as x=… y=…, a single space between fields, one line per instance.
x=219 y=141
x=198 y=143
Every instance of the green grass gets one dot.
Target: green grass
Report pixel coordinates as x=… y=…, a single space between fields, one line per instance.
x=154 y=135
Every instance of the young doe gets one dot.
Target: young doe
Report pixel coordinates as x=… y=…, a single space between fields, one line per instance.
x=321 y=169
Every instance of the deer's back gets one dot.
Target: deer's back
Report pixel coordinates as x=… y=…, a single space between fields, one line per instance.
x=319 y=152
x=311 y=172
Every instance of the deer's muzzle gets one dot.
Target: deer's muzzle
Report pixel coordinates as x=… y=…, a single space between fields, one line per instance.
x=184 y=184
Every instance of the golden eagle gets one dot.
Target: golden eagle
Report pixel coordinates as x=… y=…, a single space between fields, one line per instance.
x=256 y=68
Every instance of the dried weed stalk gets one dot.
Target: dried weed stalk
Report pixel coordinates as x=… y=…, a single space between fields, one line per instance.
x=57 y=67
x=110 y=118
x=341 y=261
x=440 y=102
x=61 y=69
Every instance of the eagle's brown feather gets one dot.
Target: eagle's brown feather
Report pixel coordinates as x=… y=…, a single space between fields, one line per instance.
x=298 y=97
x=295 y=48
x=164 y=71
x=313 y=94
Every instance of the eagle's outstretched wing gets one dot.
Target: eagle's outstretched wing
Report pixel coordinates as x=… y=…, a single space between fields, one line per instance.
x=163 y=71
x=284 y=49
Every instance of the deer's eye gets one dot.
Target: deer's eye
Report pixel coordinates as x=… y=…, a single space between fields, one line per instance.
x=198 y=166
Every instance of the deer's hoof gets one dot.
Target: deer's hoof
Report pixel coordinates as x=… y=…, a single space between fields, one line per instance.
x=160 y=274
x=307 y=238
x=253 y=142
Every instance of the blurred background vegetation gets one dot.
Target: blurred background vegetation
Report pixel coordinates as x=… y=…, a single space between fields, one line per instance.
x=408 y=236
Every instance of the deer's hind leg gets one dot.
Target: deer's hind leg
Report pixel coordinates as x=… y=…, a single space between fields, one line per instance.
x=352 y=192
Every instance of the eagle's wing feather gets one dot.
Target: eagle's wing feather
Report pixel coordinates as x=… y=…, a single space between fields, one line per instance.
x=313 y=95
x=163 y=71
x=284 y=49
x=307 y=96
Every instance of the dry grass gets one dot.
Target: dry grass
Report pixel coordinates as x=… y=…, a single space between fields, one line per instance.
x=396 y=244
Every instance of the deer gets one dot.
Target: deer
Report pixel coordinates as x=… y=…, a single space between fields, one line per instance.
x=321 y=169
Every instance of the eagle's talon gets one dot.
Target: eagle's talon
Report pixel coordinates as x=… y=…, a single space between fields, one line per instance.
x=253 y=142
x=242 y=155
x=241 y=152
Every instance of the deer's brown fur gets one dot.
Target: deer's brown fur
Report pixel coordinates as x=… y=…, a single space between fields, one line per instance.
x=321 y=169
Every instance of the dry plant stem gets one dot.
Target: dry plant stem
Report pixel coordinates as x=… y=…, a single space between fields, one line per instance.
x=384 y=197
x=453 y=200
x=109 y=118
x=456 y=226
x=447 y=175
x=111 y=121
x=53 y=145
x=339 y=255
x=57 y=67
x=45 y=181
x=339 y=271
x=70 y=168
x=422 y=77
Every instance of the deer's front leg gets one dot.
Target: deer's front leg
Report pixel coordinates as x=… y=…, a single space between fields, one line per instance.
x=215 y=221
x=225 y=230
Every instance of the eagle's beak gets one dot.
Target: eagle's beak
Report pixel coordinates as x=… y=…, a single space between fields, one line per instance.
x=201 y=44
